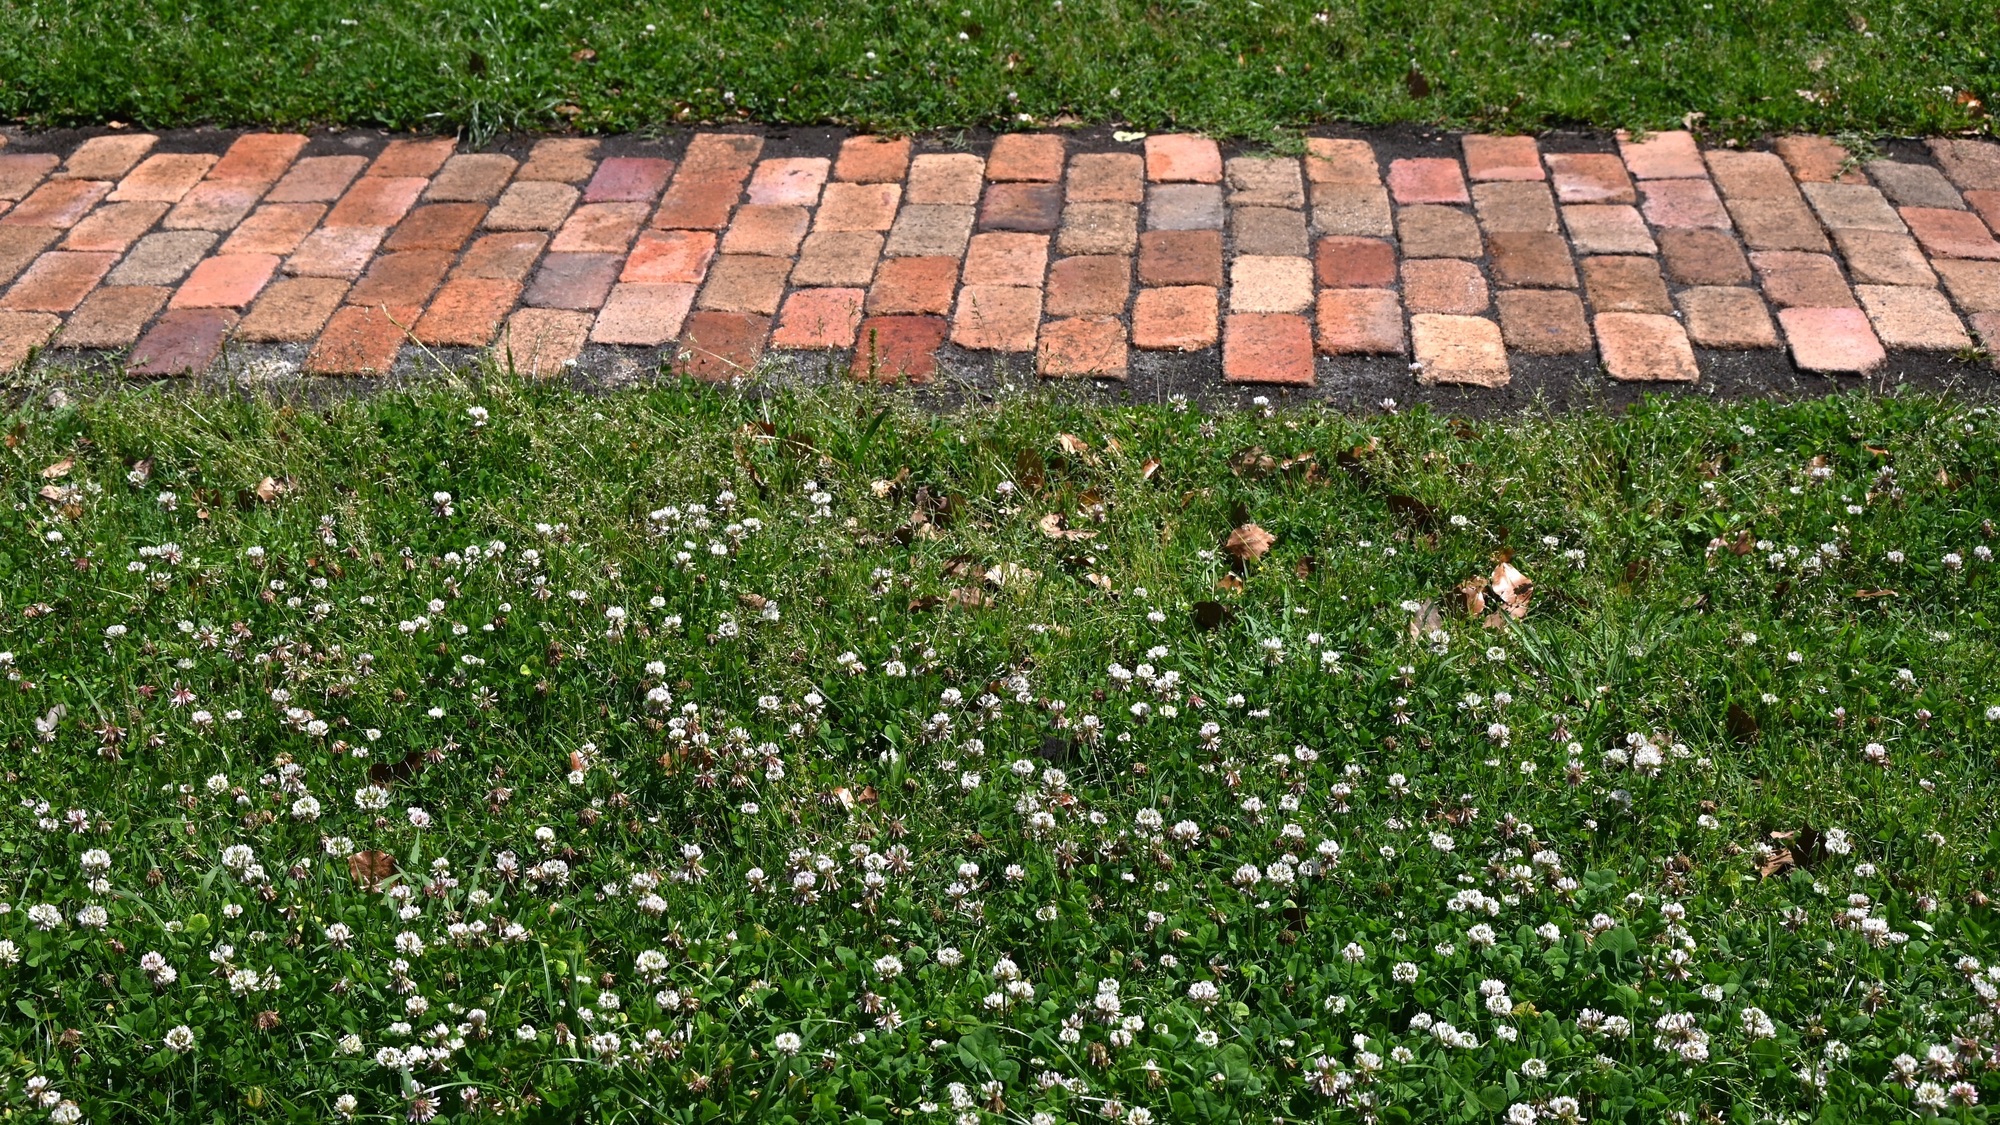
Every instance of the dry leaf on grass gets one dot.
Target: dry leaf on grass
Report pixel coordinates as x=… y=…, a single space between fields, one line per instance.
x=370 y=868
x=1513 y=589
x=1055 y=527
x=59 y=469
x=1249 y=543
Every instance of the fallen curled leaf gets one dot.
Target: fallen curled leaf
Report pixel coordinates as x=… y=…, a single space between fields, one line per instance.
x=1780 y=862
x=1743 y=544
x=1072 y=444
x=1231 y=583
x=269 y=489
x=1866 y=595
x=1006 y=573
x=576 y=762
x=59 y=469
x=1100 y=581
x=1249 y=543
x=1055 y=527
x=1473 y=590
x=969 y=597
x=371 y=868
x=1149 y=468
x=142 y=472
x=1513 y=589
x=52 y=493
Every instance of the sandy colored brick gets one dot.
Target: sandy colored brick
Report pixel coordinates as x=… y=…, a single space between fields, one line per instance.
x=1444 y=285
x=1106 y=177
x=1683 y=204
x=697 y=203
x=376 y=201
x=275 y=228
x=466 y=313
x=1090 y=347
x=1974 y=285
x=578 y=281
x=745 y=283
x=216 y=205
x=1089 y=285
x=113 y=316
x=1914 y=185
x=1645 y=348
x=1741 y=175
x=506 y=256
x=1428 y=231
x=773 y=230
x=602 y=228
x=1818 y=160
x=1001 y=318
x=1661 y=156
x=1878 y=257
x=292 y=310
x=1352 y=209
x=1006 y=259
x=471 y=177
x=1515 y=207
x=1179 y=318
x=163 y=258
x=1590 y=177
x=1264 y=284
x=1913 y=318
x=1099 y=228
x=568 y=160
x=1704 y=257
x=1607 y=228
x=1531 y=259
x=19 y=246
x=335 y=252
x=930 y=230
x=412 y=157
x=858 y=207
x=1184 y=207
x=1337 y=160
x=1359 y=322
x=1269 y=231
x=317 y=179
x=1974 y=165
x=643 y=314
x=23 y=332
x=113 y=227
x=532 y=205
x=22 y=172
x=1265 y=181
x=163 y=178
x=1727 y=316
x=542 y=343
x=838 y=258
x=945 y=179
x=108 y=157
x=1625 y=284
x=1792 y=279
x=1458 y=350
x=1777 y=224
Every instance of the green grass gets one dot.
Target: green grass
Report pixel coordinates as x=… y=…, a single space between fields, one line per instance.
x=621 y=671
x=1242 y=68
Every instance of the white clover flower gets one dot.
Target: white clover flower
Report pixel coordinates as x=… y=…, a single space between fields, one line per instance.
x=179 y=1039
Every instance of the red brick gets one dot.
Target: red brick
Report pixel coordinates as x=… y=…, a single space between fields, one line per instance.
x=1833 y=341
x=856 y=207
x=873 y=160
x=275 y=228
x=503 y=257
x=1458 y=350
x=676 y=256
x=1183 y=158
x=771 y=230
x=818 y=319
x=1645 y=347
x=107 y=158
x=228 y=281
x=292 y=310
x=112 y=316
x=600 y=228
x=945 y=179
x=258 y=158
x=1026 y=156
x=913 y=285
x=1590 y=177
x=1531 y=259
x=57 y=281
x=1346 y=262
x=1444 y=285
x=720 y=346
x=19 y=246
x=114 y=227
x=406 y=278
x=532 y=205
x=697 y=204
x=163 y=178
x=1180 y=257
x=411 y=157
x=471 y=177
x=435 y=226
x=1684 y=204
x=567 y=160
x=1946 y=234
x=57 y=203
x=1985 y=204
x=183 y=342
x=1669 y=155
x=1081 y=347
x=1175 y=318
x=999 y=318
x=1502 y=158
x=466 y=312
x=1429 y=179
x=721 y=155
x=643 y=314
x=1608 y=228
x=1819 y=160
x=1106 y=177
x=745 y=283
x=1719 y=316
x=1360 y=322
x=792 y=181
x=573 y=281
x=1543 y=322
x=1625 y=284
x=628 y=179
x=1802 y=280
x=891 y=349
x=839 y=258
x=21 y=172
x=1267 y=348
x=335 y=252
x=21 y=333
x=317 y=179
x=361 y=340
x=1090 y=285
x=1915 y=318
x=376 y=201
x=1006 y=259
x=1260 y=284
x=1704 y=257
x=1021 y=207
x=215 y=205
x=542 y=343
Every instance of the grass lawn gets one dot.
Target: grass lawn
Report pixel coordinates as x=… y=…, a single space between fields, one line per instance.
x=672 y=756
x=1252 y=69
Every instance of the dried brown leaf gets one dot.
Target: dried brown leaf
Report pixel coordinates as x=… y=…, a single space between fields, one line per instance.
x=370 y=868
x=59 y=469
x=1249 y=543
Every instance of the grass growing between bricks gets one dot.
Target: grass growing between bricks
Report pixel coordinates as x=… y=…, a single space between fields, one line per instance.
x=1904 y=66
x=497 y=750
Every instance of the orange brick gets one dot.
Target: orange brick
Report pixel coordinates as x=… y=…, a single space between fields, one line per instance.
x=1175 y=318
x=411 y=158
x=675 y=256
x=275 y=228
x=163 y=178
x=1267 y=348
x=376 y=201
x=1084 y=346
x=114 y=227
x=720 y=346
x=258 y=158
x=228 y=281
x=360 y=340
x=1026 y=156
x=58 y=281
x=292 y=310
x=873 y=160
x=467 y=312
x=817 y=319
x=317 y=179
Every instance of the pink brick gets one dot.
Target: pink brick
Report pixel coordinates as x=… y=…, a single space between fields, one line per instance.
x=1662 y=156
x=317 y=179
x=643 y=314
x=1006 y=259
x=1360 y=322
x=1026 y=156
x=58 y=203
x=114 y=226
x=773 y=230
x=676 y=256
x=275 y=228
x=226 y=281
x=1081 y=347
x=728 y=156
x=163 y=178
x=1175 y=318
x=20 y=172
x=376 y=201
x=628 y=179
x=857 y=207
x=335 y=252
x=789 y=182
x=216 y=205
x=1684 y=205
x=412 y=158
x=107 y=158
x=818 y=319
x=58 y=281
x=1427 y=180
x=1833 y=341
x=1590 y=177
x=1502 y=158
x=601 y=227
x=1645 y=347
x=1946 y=234
x=1183 y=158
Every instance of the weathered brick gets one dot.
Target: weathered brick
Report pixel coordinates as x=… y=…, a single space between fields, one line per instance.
x=471 y=177
x=1727 y=316
x=1089 y=285
x=1001 y=318
x=1502 y=158
x=1515 y=208
x=542 y=343
x=1985 y=204
x=1184 y=207
x=21 y=333
x=1683 y=204
x=21 y=172
x=1607 y=228
x=1951 y=234
x=819 y=319
x=216 y=205
x=1590 y=177
x=1006 y=259
x=1021 y=206
x=605 y=228
x=722 y=155
x=1625 y=284
x=1429 y=179
x=1331 y=160
x=1543 y=322
x=692 y=203
x=335 y=252
x=411 y=158
x=228 y=281
x=507 y=257
x=1792 y=279
x=1034 y=157
x=643 y=314
x=1881 y=258
x=433 y=226
x=1458 y=350
x=1101 y=228
x=1916 y=318
x=838 y=258
x=1106 y=177
x=163 y=178
x=1183 y=158
x=858 y=207
x=906 y=286
x=1343 y=262
x=629 y=179
x=1974 y=285
x=1818 y=160
x=1265 y=181
x=1091 y=347
x=19 y=246
x=1429 y=231
x=1269 y=231
x=674 y=257
x=1351 y=209
x=58 y=281
x=930 y=231
x=275 y=228
x=401 y=279
x=317 y=179
x=466 y=312
x=113 y=227
x=1668 y=155
x=1986 y=326
x=1267 y=348
x=720 y=346
x=891 y=349
x=182 y=342
x=576 y=281
x=1645 y=348
x=1444 y=285
x=532 y=205
x=1704 y=257
x=109 y=157
x=945 y=179
x=1750 y=175
x=1180 y=257
x=1263 y=284
x=872 y=160
x=258 y=158
x=1179 y=318
x=1777 y=224
x=791 y=181
x=770 y=229
x=1914 y=185
x=292 y=310
x=1360 y=322
x=376 y=201
x=58 y=203
x=1528 y=259
x=163 y=259
x=112 y=316
x=745 y=283
x=568 y=160
x=361 y=340
x=1832 y=341
x=1972 y=165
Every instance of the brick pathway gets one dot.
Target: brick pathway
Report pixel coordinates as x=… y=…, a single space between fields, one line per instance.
x=344 y=253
